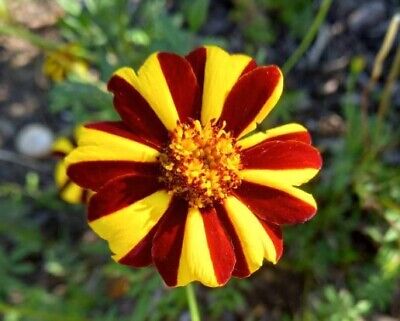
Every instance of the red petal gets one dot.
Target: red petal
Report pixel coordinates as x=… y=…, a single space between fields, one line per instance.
x=275 y=233
x=273 y=205
x=248 y=97
x=136 y=112
x=182 y=84
x=120 y=129
x=140 y=255
x=94 y=174
x=251 y=66
x=303 y=137
x=197 y=59
x=241 y=268
x=119 y=193
x=220 y=246
x=281 y=155
x=167 y=243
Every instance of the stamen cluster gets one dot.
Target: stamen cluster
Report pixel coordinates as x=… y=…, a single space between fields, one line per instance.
x=201 y=163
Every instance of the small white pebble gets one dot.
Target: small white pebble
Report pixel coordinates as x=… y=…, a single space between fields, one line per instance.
x=34 y=140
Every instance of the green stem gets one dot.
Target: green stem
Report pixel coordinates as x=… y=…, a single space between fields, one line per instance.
x=23 y=33
x=193 y=307
x=39 y=41
x=380 y=58
x=309 y=37
x=388 y=89
x=384 y=105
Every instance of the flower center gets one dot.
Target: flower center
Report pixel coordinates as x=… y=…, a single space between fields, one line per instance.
x=201 y=163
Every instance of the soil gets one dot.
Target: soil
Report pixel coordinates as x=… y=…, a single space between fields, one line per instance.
x=353 y=27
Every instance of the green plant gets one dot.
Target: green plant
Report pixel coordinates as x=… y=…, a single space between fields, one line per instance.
x=260 y=19
x=339 y=306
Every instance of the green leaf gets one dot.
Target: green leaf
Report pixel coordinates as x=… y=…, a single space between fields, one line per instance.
x=196 y=12
x=71 y=7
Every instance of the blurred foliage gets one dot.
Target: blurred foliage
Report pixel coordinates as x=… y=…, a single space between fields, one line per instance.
x=115 y=33
x=348 y=255
x=195 y=12
x=261 y=21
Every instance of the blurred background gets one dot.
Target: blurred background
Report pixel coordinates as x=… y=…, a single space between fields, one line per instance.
x=341 y=60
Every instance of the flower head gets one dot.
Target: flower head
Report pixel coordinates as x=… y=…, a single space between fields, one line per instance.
x=68 y=190
x=179 y=184
x=64 y=61
x=200 y=163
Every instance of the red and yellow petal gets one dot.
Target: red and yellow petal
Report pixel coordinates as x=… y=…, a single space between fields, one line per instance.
x=125 y=212
x=182 y=84
x=292 y=162
x=197 y=59
x=286 y=132
x=274 y=201
x=62 y=146
x=191 y=245
x=107 y=150
x=135 y=111
x=251 y=99
x=253 y=240
x=167 y=243
x=68 y=190
x=217 y=71
x=94 y=174
x=169 y=86
x=275 y=234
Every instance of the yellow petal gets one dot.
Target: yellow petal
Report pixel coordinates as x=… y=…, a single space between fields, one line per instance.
x=281 y=185
x=125 y=228
x=62 y=145
x=294 y=177
x=222 y=70
x=152 y=85
x=254 y=240
x=257 y=138
x=195 y=263
x=97 y=145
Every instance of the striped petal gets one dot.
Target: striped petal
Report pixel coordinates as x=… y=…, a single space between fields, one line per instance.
x=125 y=212
x=207 y=254
x=275 y=234
x=197 y=59
x=108 y=150
x=167 y=84
x=276 y=202
x=290 y=161
x=62 y=146
x=94 y=174
x=182 y=84
x=217 y=71
x=167 y=243
x=251 y=99
x=286 y=132
x=191 y=245
x=253 y=240
x=134 y=110
x=68 y=190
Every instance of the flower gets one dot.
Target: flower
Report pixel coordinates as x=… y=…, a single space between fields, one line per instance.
x=178 y=181
x=60 y=63
x=68 y=190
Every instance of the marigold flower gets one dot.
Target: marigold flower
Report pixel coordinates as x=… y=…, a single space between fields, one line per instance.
x=64 y=61
x=178 y=183
x=68 y=190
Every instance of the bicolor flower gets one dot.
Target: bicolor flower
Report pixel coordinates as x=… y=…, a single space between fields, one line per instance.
x=179 y=183
x=68 y=190
x=64 y=61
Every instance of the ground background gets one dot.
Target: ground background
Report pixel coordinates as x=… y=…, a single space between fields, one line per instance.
x=344 y=265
